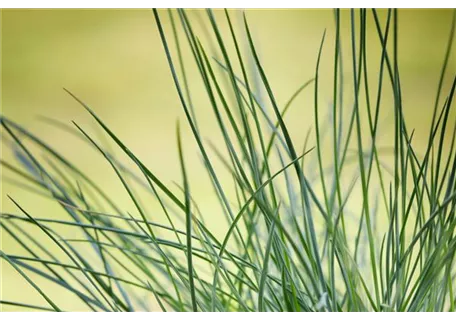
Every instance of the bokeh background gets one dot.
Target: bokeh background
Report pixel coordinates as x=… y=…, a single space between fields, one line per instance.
x=114 y=61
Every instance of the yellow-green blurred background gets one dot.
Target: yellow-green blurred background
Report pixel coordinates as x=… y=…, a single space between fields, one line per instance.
x=114 y=61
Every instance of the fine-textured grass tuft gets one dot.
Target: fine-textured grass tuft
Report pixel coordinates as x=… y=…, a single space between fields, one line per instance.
x=331 y=223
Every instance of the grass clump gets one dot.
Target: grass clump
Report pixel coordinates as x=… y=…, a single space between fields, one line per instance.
x=310 y=228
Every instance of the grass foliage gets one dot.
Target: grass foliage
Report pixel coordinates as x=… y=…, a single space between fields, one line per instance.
x=310 y=228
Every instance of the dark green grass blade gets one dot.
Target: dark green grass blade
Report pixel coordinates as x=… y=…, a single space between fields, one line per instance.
x=24 y=305
x=188 y=219
x=30 y=281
